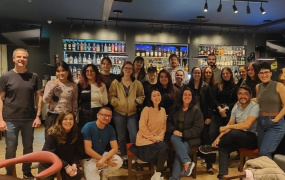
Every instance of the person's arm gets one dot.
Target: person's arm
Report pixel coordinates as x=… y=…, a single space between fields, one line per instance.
x=112 y=95
x=75 y=101
x=143 y=125
x=257 y=91
x=104 y=96
x=107 y=158
x=39 y=103
x=49 y=91
x=241 y=126
x=139 y=94
x=160 y=136
x=89 y=151
x=281 y=90
x=3 y=125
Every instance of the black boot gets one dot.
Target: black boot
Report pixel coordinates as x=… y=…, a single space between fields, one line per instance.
x=125 y=164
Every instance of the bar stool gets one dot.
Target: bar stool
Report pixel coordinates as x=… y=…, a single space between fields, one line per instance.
x=132 y=172
x=250 y=153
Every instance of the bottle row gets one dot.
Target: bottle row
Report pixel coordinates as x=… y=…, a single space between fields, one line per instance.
x=81 y=45
x=224 y=61
x=205 y=50
x=159 y=52
x=69 y=59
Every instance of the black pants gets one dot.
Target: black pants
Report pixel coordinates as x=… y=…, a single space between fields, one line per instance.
x=87 y=115
x=232 y=141
x=50 y=121
x=205 y=140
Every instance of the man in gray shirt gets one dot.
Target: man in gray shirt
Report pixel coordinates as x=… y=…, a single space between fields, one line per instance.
x=211 y=60
x=240 y=132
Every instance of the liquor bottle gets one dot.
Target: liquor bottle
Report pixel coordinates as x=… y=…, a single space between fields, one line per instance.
x=116 y=47
x=94 y=59
x=138 y=52
x=112 y=47
x=85 y=46
x=159 y=52
x=98 y=60
x=88 y=47
x=70 y=59
x=155 y=52
x=105 y=48
x=74 y=71
x=84 y=61
x=186 y=68
x=164 y=53
x=75 y=60
x=109 y=48
x=73 y=46
x=147 y=52
x=98 y=47
x=69 y=48
x=102 y=47
x=243 y=51
x=120 y=47
x=143 y=53
x=89 y=60
x=94 y=47
x=123 y=47
x=66 y=60
x=64 y=45
x=79 y=59
x=101 y=58
x=168 y=53
x=176 y=52
x=78 y=73
x=81 y=46
x=77 y=46
x=151 y=52
x=180 y=53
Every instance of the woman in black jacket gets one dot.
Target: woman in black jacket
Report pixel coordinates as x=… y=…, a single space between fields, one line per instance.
x=203 y=99
x=185 y=124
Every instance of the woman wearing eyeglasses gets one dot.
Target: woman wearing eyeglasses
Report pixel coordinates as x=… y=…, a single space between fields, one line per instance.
x=125 y=94
x=92 y=94
x=66 y=142
x=271 y=99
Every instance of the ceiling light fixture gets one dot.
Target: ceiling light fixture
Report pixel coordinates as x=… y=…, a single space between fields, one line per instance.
x=161 y=28
x=117 y=12
x=261 y=9
x=105 y=26
x=49 y=21
x=220 y=33
x=234 y=7
x=83 y=24
x=170 y=29
x=94 y=25
x=247 y=8
x=220 y=6
x=71 y=24
x=206 y=6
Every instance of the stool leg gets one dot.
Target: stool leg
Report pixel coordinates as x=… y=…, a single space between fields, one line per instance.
x=242 y=161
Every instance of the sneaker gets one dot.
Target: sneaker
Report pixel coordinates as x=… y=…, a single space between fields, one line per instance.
x=207 y=149
x=28 y=176
x=188 y=172
x=125 y=164
x=203 y=163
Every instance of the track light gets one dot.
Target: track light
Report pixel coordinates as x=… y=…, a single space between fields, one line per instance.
x=234 y=7
x=248 y=8
x=161 y=28
x=262 y=10
x=71 y=24
x=220 y=7
x=94 y=25
x=206 y=6
x=83 y=24
x=105 y=26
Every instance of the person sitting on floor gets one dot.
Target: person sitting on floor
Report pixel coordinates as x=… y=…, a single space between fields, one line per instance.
x=240 y=132
x=97 y=135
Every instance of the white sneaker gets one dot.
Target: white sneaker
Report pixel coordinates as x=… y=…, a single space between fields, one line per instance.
x=156 y=176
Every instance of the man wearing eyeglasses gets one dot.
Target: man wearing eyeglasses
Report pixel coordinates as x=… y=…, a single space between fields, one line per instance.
x=97 y=135
x=211 y=60
x=240 y=132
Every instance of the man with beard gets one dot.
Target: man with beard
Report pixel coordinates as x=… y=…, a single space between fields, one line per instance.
x=211 y=60
x=240 y=132
x=174 y=62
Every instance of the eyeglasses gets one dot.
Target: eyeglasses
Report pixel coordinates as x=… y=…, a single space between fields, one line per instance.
x=264 y=73
x=106 y=115
x=90 y=71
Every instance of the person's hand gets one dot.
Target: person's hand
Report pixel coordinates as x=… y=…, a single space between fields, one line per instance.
x=102 y=88
x=224 y=128
x=37 y=122
x=112 y=162
x=177 y=133
x=216 y=143
x=274 y=120
x=56 y=82
x=159 y=138
x=3 y=125
x=100 y=163
x=70 y=171
x=223 y=114
x=208 y=121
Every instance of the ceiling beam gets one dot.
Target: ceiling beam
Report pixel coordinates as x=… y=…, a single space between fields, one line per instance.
x=107 y=9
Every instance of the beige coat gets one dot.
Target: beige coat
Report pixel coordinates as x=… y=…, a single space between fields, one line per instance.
x=122 y=104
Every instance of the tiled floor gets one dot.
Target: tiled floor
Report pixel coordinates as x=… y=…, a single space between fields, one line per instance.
x=39 y=140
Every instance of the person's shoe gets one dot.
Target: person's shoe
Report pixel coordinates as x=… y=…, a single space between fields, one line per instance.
x=156 y=176
x=28 y=176
x=207 y=149
x=203 y=162
x=125 y=164
x=210 y=171
x=137 y=167
x=188 y=172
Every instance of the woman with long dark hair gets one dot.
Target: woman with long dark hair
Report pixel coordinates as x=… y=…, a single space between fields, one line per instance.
x=208 y=76
x=139 y=69
x=185 y=124
x=107 y=76
x=203 y=99
x=167 y=89
x=125 y=94
x=150 y=146
x=252 y=78
x=64 y=139
x=92 y=94
x=61 y=94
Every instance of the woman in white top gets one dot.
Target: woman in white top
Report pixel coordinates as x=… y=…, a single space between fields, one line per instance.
x=92 y=94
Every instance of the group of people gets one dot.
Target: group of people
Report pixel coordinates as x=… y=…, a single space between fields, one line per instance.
x=92 y=120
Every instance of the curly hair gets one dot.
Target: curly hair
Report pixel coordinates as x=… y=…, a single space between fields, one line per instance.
x=59 y=132
x=84 y=80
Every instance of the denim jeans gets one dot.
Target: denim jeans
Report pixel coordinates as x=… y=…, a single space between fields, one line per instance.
x=122 y=122
x=232 y=141
x=182 y=149
x=270 y=135
x=11 y=139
